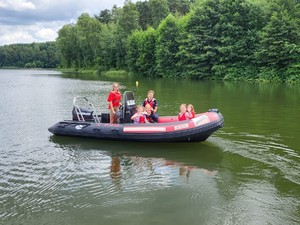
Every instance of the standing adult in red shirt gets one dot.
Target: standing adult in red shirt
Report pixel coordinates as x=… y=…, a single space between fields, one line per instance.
x=114 y=99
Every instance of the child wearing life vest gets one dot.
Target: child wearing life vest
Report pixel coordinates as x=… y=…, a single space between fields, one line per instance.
x=139 y=116
x=190 y=112
x=153 y=103
x=150 y=117
x=183 y=113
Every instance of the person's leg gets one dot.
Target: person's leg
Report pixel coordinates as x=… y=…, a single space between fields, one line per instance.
x=116 y=114
x=155 y=117
x=111 y=116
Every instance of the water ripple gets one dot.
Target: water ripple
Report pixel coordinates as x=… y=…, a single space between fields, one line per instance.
x=267 y=149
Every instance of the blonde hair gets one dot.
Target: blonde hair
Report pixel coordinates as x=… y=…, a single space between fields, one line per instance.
x=139 y=107
x=115 y=84
x=192 y=107
x=183 y=105
x=150 y=91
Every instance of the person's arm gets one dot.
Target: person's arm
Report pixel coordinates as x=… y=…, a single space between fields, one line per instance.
x=146 y=121
x=110 y=101
x=188 y=115
x=155 y=106
x=134 y=116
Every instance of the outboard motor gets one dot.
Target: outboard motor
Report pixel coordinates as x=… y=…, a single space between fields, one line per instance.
x=128 y=108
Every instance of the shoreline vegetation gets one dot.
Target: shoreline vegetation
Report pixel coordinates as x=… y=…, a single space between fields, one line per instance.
x=93 y=74
x=231 y=40
x=93 y=71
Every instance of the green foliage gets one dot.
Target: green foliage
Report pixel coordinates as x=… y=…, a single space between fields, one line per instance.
x=280 y=42
x=127 y=23
x=179 y=6
x=88 y=31
x=201 y=39
x=167 y=47
x=116 y=73
x=35 y=55
x=270 y=74
x=238 y=73
x=152 y=12
x=293 y=73
x=106 y=54
x=128 y=19
x=105 y=16
x=68 y=47
x=218 y=39
x=159 y=10
x=144 y=14
x=148 y=61
x=133 y=50
x=218 y=35
x=141 y=52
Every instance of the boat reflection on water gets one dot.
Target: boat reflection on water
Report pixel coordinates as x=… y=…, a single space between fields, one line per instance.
x=151 y=165
x=115 y=168
x=159 y=162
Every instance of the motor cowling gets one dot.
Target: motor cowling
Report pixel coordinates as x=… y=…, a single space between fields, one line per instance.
x=128 y=108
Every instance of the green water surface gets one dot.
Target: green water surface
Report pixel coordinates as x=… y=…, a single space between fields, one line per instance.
x=245 y=173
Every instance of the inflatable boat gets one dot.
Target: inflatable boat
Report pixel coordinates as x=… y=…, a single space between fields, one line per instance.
x=86 y=122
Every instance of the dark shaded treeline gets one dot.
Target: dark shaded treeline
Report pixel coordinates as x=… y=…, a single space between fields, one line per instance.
x=35 y=55
x=202 y=39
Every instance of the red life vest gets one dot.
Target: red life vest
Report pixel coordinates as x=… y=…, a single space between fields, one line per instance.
x=150 y=117
x=115 y=98
x=142 y=119
x=191 y=115
x=182 y=116
x=139 y=119
x=151 y=103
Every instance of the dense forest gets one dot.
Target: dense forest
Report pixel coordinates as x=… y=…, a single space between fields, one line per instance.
x=200 y=39
x=35 y=55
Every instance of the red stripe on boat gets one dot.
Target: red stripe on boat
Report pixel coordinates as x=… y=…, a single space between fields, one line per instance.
x=187 y=124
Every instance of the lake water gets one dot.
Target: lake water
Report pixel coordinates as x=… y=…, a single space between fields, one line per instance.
x=248 y=172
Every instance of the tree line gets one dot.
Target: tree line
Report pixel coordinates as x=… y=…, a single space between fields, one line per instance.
x=200 y=39
x=205 y=39
x=35 y=55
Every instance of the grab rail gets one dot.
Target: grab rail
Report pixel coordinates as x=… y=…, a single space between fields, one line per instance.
x=79 y=112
